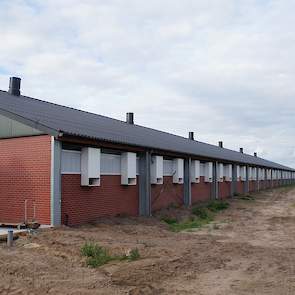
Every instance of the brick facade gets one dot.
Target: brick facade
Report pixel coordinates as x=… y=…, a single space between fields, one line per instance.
x=240 y=187
x=224 y=189
x=85 y=204
x=25 y=171
x=252 y=186
x=201 y=191
x=25 y=175
x=168 y=193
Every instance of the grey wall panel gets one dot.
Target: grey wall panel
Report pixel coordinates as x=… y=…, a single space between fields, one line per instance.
x=10 y=128
x=56 y=153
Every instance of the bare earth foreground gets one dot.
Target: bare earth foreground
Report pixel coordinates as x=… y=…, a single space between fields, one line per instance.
x=249 y=249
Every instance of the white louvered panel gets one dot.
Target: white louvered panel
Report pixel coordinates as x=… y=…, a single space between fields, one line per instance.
x=168 y=167
x=70 y=162
x=110 y=164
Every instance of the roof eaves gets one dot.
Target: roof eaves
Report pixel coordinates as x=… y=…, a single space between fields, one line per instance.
x=266 y=163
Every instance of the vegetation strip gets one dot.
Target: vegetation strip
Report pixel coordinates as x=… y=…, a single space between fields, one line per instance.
x=202 y=216
x=97 y=255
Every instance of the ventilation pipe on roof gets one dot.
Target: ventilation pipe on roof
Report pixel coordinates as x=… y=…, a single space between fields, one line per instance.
x=220 y=144
x=191 y=135
x=130 y=118
x=255 y=154
x=241 y=150
x=14 y=86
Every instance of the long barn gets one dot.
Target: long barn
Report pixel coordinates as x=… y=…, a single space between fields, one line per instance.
x=60 y=165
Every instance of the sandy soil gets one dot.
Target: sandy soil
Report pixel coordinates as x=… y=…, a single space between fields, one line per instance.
x=249 y=249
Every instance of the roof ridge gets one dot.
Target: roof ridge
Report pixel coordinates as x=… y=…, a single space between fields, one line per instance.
x=117 y=120
x=215 y=148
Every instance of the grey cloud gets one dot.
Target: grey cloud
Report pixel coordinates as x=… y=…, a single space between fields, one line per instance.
x=224 y=69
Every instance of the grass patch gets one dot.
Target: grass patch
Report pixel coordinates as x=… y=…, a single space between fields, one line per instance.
x=202 y=212
x=202 y=215
x=169 y=220
x=97 y=256
x=216 y=206
x=133 y=255
x=247 y=198
x=188 y=224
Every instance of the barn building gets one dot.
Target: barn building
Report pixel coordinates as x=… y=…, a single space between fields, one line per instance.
x=59 y=165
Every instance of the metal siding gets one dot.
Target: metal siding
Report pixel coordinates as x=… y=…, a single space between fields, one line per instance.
x=10 y=128
x=55 y=182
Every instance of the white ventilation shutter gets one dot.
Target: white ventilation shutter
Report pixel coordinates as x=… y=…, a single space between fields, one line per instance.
x=157 y=169
x=220 y=172
x=90 y=167
x=178 y=171
x=208 y=172
x=228 y=172
x=195 y=171
x=128 y=168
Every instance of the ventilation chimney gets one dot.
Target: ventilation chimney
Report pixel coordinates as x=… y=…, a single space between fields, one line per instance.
x=14 y=86
x=191 y=135
x=220 y=144
x=255 y=154
x=130 y=118
x=241 y=150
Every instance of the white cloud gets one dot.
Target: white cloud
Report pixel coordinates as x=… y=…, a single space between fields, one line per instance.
x=221 y=68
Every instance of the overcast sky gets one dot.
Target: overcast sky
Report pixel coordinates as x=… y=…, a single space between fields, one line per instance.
x=224 y=69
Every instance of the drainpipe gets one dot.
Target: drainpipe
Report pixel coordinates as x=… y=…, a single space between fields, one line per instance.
x=145 y=184
x=187 y=198
x=246 y=183
x=214 y=184
x=234 y=180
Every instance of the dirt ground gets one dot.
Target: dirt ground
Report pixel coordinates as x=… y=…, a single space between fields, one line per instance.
x=249 y=249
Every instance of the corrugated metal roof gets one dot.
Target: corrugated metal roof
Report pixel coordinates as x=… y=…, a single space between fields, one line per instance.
x=80 y=123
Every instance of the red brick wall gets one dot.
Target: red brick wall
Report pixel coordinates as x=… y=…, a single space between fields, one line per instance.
x=85 y=204
x=240 y=187
x=262 y=185
x=252 y=185
x=25 y=175
x=268 y=183
x=201 y=191
x=166 y=194
x=224 y=189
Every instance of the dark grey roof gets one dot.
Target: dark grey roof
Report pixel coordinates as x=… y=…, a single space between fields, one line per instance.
x=54 y=118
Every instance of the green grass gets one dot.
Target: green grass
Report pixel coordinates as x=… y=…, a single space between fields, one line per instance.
x=97 y=256
x=169 y=220
x=133 y=255
x=216 y=206
x=247 y=198
x=203 y=215
x=188 y=224
x=202 y=212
